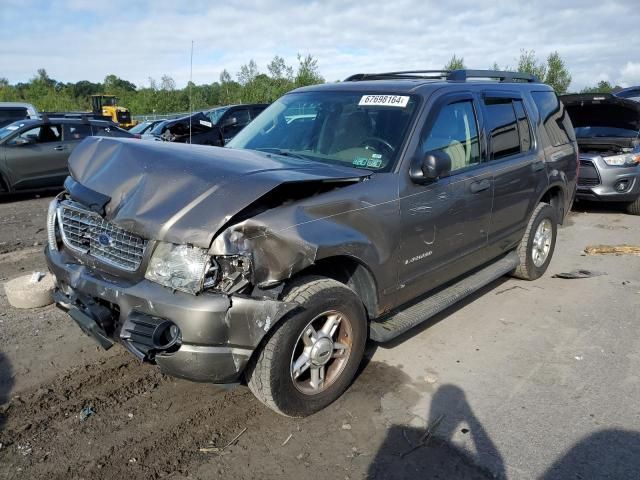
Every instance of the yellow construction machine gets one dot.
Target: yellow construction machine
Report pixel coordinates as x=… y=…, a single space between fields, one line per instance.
x=107 y=106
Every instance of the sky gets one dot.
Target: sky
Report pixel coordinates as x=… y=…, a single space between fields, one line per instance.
x=87 y=40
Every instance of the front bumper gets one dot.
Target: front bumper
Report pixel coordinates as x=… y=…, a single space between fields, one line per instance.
x=597 y=181
x=218 y=332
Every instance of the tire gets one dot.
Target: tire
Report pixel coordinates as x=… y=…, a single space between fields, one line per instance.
x=634 y=207
x=270 y=374
x=530 y=269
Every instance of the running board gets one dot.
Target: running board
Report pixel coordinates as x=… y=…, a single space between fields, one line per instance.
x=402 y=321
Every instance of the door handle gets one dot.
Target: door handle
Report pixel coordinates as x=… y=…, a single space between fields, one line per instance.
x=537 y=166
x=59 y=148
x=481 y=186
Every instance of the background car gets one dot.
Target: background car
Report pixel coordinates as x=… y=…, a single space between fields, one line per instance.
x=233 y=118
x=631 y=93
x=203 y=132
x=34 y=153
x=146 y=126
x=13 y=111
x=607 y=128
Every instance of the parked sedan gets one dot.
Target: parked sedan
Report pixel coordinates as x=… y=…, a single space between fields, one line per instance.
x=34 y=153
x=608 y=129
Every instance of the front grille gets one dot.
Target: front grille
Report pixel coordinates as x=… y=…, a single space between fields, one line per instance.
x=588 y=182
x=88 y=233
x=588 y=176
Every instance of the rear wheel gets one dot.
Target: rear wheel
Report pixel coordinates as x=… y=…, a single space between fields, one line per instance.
x=538 y=243
x=634 y=207
x=312 y=356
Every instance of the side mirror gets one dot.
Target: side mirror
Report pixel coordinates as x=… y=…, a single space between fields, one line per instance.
x=230 y=122
x=432 y=166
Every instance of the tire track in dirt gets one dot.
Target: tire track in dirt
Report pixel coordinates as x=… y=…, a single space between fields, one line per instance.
x=146 y=424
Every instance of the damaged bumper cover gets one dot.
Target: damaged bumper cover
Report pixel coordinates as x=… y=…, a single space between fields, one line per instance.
x=217 y=333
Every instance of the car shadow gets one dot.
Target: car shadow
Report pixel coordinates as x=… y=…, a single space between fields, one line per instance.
x=409 y=452
x=6 y=384
x=611 y=453
x=586 y=206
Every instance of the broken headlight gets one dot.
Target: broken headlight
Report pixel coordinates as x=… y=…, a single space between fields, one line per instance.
x=229 y=273
x=180 y=267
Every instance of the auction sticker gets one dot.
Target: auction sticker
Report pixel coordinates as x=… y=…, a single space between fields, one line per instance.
x=384 y=101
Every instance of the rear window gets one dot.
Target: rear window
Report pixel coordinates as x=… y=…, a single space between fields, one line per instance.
x=8 y=115
x=554 y=118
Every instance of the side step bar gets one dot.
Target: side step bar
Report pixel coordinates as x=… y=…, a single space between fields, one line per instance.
x=404 y=320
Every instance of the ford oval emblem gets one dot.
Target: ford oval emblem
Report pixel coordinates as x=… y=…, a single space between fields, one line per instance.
x=104 y=239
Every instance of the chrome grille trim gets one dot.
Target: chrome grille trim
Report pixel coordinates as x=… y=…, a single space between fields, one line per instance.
x=82 y=230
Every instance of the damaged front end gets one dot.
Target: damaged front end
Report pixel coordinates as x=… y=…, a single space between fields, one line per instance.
x=135 y=257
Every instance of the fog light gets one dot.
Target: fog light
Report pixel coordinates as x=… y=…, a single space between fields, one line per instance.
x=166 y=335
x=622 y=185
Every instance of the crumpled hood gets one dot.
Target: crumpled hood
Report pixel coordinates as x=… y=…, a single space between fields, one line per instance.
x=602 y=110
x=185 y=193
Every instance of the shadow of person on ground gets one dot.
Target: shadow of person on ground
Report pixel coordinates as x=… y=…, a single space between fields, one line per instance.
x=407 y=453
x=611 y=454
x=6 y=384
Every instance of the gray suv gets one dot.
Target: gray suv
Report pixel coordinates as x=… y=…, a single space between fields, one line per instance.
x=34 y=153
x=344 y=212
x=608 y=129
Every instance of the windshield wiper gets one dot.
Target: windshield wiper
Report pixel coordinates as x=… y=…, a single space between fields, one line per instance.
x=284 y=153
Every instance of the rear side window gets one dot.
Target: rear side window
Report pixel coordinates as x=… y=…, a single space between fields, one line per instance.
x=77 y=131
x=524 y=128
x=242 y=116
x=554 y=118
x=503 y=128
x=109 y=131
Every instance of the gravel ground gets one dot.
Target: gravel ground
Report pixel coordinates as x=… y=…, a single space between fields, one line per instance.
x=528 y=380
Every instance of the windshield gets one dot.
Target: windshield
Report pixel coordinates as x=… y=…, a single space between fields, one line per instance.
x=159 y=128
x=9 y=129
x=141 y=127
x=215 y=114
x=346 y=128
x=601 y=132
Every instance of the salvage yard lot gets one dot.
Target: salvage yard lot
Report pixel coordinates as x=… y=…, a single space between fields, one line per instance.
x=524 y=380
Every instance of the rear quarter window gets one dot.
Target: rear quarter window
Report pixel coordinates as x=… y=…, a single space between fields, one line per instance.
x=554 y=118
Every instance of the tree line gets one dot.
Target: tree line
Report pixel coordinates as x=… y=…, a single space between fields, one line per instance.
x=249 y=85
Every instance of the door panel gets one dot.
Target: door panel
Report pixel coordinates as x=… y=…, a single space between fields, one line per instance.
x=519 y=173
x=36 y=165
x=446 y=221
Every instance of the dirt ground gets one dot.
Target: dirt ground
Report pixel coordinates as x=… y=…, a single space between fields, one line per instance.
x=145 y=425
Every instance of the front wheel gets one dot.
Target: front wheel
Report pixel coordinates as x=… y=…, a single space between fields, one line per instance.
x=538 y=243
x=312 y=356
x=634 y=207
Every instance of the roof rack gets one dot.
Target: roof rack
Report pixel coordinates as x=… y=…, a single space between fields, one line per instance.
x=451 y=75
x=408 y=74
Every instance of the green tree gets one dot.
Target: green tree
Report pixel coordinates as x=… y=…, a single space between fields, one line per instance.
x=552 y=72
x=557 y=74
x=308 y=72
x=455 y=63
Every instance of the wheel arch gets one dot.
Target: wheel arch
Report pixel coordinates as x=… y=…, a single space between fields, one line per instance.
x=554 y=195
x=351 y=272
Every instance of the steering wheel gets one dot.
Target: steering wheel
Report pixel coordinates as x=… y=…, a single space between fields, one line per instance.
x=380 y=141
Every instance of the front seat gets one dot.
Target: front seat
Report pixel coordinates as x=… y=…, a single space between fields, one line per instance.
x=352 y=130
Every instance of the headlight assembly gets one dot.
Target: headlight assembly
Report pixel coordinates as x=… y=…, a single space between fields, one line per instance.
x=624 y=160
x=191 y=269
x=180 y=267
